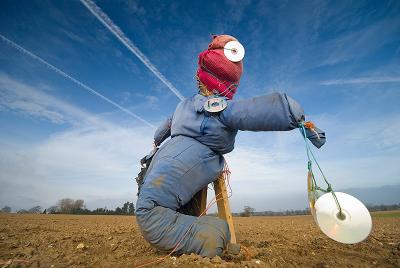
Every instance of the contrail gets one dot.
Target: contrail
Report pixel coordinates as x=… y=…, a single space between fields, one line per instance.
x=114 y=29
x=55 y=69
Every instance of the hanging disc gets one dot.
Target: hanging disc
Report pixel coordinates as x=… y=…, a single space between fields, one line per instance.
x=234 y=51
x=215 y=105
x=353 y=226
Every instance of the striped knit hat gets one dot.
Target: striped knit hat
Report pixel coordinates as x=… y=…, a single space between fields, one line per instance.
x=220 y=75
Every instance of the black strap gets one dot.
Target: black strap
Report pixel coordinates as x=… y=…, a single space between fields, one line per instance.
x=145 y=164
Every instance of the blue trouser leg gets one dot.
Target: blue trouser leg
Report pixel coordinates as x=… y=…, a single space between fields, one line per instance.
x=165 y=228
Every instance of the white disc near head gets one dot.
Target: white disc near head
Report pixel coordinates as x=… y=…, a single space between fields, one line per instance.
x=234 y=51
x=354 y=227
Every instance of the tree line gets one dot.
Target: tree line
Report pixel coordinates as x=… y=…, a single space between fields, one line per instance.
x=71 y=206
x=249 y=211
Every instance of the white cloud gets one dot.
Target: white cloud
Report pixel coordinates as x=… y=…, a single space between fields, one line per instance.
x=378 y=134
x=93 y=158
x=134 y=9
x=361 y=80
x=30 y=100
x=389 y=134
x=34 y=109
x=357 y=44
x=236 y=10
x=78 y=163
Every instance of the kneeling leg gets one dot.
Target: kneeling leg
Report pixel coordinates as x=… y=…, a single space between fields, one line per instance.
x=164 y=229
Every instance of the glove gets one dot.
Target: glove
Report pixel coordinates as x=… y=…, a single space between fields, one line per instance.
x=314 y=134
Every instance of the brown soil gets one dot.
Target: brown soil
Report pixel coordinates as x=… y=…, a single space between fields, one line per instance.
x=115 y=241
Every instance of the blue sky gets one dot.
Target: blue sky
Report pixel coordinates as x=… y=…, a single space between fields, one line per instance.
x=339 y=59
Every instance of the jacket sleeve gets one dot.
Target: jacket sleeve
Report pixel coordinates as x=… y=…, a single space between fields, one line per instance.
x=316 y=136
x=163 y=132
x=270 y=112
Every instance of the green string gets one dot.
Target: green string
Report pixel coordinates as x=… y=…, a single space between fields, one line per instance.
x=315 y=186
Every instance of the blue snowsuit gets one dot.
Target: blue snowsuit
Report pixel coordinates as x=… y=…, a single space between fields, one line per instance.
x=192 y=159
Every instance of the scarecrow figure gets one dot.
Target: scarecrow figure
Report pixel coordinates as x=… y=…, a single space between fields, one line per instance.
x=193 y=157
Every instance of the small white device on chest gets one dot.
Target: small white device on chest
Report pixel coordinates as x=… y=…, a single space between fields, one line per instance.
x=215 y=105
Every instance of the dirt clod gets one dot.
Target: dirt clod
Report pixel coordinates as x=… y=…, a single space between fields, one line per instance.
x=81 y=246
x=216 y=259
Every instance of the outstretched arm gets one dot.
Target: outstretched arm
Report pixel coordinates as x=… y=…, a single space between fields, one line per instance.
x=163 y=132
x=270 y=112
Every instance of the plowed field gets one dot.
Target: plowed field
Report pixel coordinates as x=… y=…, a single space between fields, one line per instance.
x=115 y=241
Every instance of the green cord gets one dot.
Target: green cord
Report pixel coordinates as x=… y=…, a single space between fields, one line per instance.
x=316 y=187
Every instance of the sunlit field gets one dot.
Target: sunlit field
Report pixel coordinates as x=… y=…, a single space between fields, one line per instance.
x=115 y=241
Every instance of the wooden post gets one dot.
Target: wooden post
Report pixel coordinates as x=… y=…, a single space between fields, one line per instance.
x=201 y=201
x=224 y=210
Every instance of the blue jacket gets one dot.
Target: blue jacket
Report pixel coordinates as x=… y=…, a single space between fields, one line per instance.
x=199 y=139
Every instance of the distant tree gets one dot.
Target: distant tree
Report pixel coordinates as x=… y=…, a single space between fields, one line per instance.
x=35 y=210
x=125 y=208
x=71 y=206
x=22 y=211
x=128 y=208
x=53 y=210
x=118 y=211
x=100 y=211
x=79 y=204
x=383 y=207
x=131 y=209
x=6 y=209
x=66 y=205
x=247 y=211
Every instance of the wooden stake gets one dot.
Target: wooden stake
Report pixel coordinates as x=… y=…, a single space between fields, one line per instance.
x=201 y=201
x=224 y=210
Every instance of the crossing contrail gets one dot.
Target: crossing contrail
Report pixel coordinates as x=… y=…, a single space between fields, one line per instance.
x=114 y=29
x=55 y=69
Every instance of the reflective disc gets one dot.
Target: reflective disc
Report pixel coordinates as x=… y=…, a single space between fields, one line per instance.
x=234 y=51
x=354 y=227
x=215 y=105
